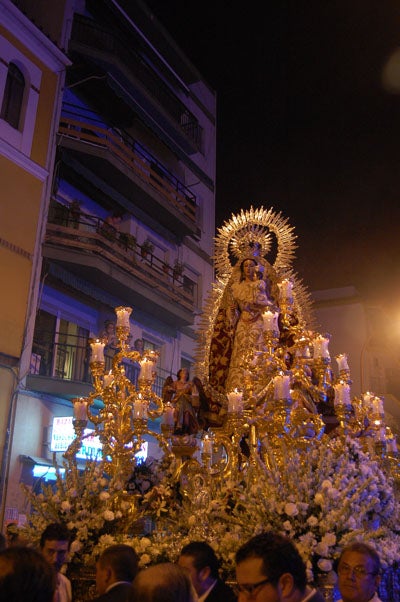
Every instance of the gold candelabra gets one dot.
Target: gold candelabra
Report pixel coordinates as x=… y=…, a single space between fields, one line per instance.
x=257 y=427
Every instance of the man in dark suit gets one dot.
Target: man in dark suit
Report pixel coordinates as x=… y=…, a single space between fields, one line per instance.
x=200 y=560
x=116 y=568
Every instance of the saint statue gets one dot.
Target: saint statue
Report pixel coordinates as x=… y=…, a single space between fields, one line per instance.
x=253 y=255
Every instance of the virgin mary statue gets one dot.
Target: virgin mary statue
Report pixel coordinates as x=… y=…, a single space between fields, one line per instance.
x=254 y=253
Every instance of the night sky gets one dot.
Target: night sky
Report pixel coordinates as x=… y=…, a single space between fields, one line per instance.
x=306 y=126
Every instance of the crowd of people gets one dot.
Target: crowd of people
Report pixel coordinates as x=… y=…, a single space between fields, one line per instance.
x=269 y=568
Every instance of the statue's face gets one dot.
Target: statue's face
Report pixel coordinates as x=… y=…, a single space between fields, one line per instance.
x=183 y=374
x=249 y=268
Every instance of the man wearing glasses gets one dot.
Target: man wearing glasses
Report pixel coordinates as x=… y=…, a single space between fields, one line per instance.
x=358 y=573
x=269 y=568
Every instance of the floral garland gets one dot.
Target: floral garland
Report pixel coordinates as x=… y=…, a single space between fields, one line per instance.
x=322 y=497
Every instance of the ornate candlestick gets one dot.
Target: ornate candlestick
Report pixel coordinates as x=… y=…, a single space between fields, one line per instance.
x=271 y=332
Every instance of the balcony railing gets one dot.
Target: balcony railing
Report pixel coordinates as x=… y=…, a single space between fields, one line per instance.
x=147 y=171
x=90 y=34
x=70 y=361
x=93 y=235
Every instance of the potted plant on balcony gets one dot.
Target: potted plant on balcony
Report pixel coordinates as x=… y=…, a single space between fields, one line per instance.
x=127 y=240
x=146 y=248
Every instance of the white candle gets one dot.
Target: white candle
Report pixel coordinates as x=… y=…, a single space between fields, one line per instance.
x=367 y=401
x=270 y=319
x=80 y=408
x=342 y=361
x=123 y=314
x=377 y=405
x=168 y=417
x=207 y=445
x=235 y=401
x=281 y=386
x=138 y=408
x=321 y=347
x=146 y=369
x=107 y=379
x=381 y=434
x=97 y=351
x=303 y=349
x=342 y=394
x=285 y=289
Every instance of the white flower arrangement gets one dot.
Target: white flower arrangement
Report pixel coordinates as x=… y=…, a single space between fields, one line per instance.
x=99 y=510
x=322 y=497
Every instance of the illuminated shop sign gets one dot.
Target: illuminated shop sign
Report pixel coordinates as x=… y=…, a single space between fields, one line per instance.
x=63 y=434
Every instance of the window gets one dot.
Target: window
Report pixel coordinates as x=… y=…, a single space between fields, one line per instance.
x=13 y=96
x=60 y=348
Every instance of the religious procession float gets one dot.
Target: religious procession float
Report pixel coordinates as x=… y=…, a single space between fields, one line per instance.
x=275 y=438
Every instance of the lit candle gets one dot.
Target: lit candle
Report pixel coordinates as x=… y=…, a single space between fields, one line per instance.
x=285 y=289
x=146 y=368
x=367 y=401
x=377 y=405
x=342 y=394
x=97 y=351
x=381 y=435
x=107 y=379
x=138 y=408
x=281 y=386
x=270 y=319
x=235 y=401
x=168 y=417
x=207 y=445
x=80 y=408
x=321 y=347
x=303 y=349
x=123 y=314
x=342 y=361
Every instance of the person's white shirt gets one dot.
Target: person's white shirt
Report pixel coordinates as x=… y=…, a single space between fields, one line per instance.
x=64 y=589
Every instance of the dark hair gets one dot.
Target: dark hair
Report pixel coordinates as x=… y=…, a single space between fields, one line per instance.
x=180 y=372
x=55 y=532
x=279 y=556
x=26 y=576
x=122 y=559
x=12 y=532
x=203 y=555
x=163 y=582
x=367 y=550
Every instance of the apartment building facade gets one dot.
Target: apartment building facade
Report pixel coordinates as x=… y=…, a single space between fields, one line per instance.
x=128 y=218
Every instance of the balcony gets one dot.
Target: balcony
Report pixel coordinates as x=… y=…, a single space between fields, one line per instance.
x=62 y=369
x=107 y=260
x=101 y=156
x=131 y=78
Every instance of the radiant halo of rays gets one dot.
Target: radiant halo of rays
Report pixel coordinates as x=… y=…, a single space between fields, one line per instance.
x=254 y=232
